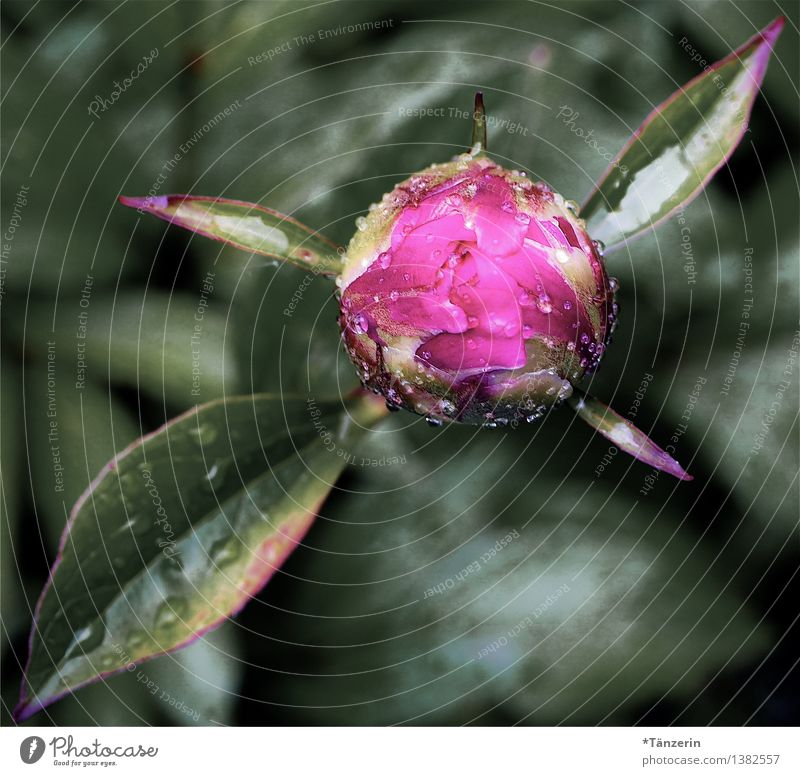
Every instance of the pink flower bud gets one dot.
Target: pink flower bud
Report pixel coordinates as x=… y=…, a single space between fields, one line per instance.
x=472 y=294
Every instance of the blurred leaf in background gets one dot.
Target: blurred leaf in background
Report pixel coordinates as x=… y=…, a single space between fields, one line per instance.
x=677 y=603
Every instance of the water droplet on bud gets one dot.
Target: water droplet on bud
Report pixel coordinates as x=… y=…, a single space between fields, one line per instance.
x=360 y=323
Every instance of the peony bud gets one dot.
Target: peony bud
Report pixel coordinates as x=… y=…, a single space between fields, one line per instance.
x=472 y=294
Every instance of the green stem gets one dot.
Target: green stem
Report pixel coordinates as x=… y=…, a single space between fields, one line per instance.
x=479 y=135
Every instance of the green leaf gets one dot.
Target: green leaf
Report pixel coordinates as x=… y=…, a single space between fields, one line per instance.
x=669 y=160
x=181 y=529
x=173 y=346
x=745 y=424
x=247 y=226
x=168 y=345
x=70 y=437
x=12 y=598
x=63 y=164
x=489 y=579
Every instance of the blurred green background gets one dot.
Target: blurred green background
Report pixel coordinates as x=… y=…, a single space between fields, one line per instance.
x=675 y=603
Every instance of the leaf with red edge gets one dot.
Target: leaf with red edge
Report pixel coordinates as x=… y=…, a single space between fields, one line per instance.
x=181 y=529
x=624 y=434
x=247 y=226
x=673 y=155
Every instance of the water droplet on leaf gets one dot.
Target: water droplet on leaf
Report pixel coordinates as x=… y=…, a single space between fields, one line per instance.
x=170 y=613
x=203 y=433
x=225 y=551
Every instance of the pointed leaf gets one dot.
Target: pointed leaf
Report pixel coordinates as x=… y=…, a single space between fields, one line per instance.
x=669 y=160
x=247 y=226
x=624 y=434
x=180 y=530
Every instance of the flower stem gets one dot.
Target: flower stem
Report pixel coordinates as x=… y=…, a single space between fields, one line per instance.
x=479 y=135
